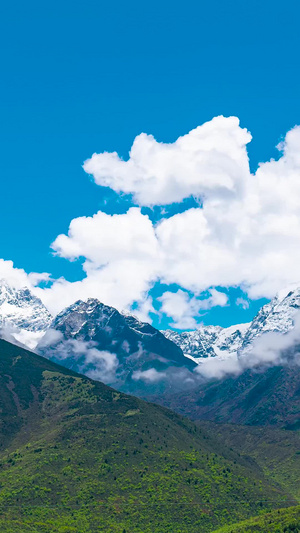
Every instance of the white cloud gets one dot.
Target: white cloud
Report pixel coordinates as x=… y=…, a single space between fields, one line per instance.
x=209 y=159
x=142 y=312
x=216 y=298
x=18 y=278
x=270 y=349
x=242 y=302
x=273 y=348
x=8 y=334
x=96 y=364
x=122 y=260
x=245 y=233
x=218 y=368
x=150 y=376
x=50 y=338
x=184 y=309
x=181 y=308
x=106 y=238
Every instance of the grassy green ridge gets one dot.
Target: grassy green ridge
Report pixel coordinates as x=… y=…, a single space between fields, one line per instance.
x=280 y=521
x=78 y=456
x=276 y=451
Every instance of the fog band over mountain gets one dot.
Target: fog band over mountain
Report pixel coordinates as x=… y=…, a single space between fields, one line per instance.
x=270 y=349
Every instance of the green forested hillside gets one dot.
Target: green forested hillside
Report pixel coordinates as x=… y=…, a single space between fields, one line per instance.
x=79 y=456
x=280 y=521
x=275 y=451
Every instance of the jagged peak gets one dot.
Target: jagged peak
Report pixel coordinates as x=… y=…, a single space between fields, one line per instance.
x=289 y=290
x=23 y=316
x=84 y=304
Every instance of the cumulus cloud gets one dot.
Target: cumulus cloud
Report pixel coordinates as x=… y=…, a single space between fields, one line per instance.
x=209 y=159
x=144 y=310
x=245 y=231
x=18 y=278
x=185 y=309
x=121 y=261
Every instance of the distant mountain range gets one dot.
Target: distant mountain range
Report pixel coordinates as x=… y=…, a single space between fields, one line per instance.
x=209 y=341
x=22 y=312
x=215 y=341
x=95 y=339
x=264 y=394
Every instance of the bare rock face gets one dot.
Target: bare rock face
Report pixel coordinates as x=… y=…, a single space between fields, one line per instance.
x=97 y=340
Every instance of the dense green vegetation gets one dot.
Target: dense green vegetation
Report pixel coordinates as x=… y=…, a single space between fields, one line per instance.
x=78 y=456
x=276 y=451
x=280 y=521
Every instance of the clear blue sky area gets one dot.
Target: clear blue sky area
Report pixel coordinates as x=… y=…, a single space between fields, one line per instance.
x=84 y=77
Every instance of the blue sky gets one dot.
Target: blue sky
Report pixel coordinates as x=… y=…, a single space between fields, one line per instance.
x=80 y=78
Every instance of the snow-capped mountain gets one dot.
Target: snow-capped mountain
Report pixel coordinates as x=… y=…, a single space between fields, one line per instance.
x=22 y=315
x=97 y=340
x=211 y=341
x=260 y=394
x=276 y=316
x=93 y=321
x=137 y=345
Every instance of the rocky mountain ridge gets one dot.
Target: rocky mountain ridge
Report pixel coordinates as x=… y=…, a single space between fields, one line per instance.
x=209 y=341
x=97 y=340
x=93 y=338
x=214 y=341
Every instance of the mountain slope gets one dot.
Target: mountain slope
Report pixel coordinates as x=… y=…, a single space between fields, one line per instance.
x=98 y=341
x=276 y=451
x=78 y=456
x=262 y=395
x=281 y=521
x=266 y=397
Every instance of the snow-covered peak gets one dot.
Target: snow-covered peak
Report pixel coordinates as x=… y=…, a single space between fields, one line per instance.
x=276 y=316
x=215 y=341
x=22 y=314
x=293 y=288
x=209 y=341
x=21 y=309
x=88 y=315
